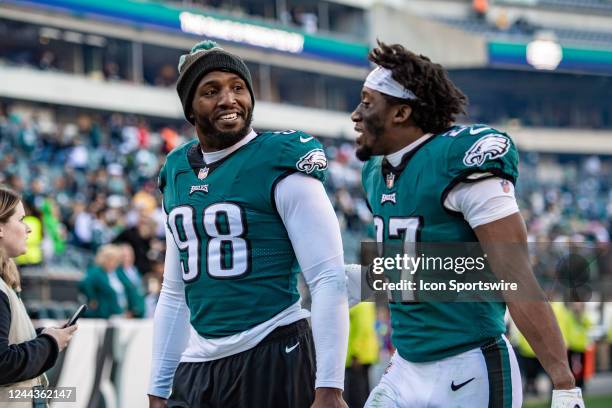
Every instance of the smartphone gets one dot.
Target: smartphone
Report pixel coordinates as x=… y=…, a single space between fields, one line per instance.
x=76 y=315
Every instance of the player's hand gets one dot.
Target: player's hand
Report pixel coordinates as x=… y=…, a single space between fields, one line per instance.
x=61 y=336
x=567 y=398
x=328 y=398
x=157 y=402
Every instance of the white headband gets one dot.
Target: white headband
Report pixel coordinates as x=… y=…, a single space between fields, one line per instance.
x=380 y=80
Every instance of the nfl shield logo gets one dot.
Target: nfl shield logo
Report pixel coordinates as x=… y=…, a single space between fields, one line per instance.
x=505 y=186
x=390 y=180
x=203 y=173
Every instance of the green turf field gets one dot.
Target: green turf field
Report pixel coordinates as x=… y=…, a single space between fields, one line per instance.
x=590 y=402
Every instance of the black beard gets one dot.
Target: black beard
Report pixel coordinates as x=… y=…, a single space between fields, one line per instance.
x=219 y=140
x=363 y=153
x=376 y=128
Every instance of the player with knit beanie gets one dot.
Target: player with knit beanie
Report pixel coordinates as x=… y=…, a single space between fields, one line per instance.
x=204 y=57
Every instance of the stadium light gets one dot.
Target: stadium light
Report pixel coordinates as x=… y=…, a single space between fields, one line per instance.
x=544 y=53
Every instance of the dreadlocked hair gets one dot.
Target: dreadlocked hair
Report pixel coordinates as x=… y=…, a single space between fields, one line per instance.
x=438 y=101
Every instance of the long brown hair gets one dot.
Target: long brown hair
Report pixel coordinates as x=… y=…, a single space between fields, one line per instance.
x=9 y=200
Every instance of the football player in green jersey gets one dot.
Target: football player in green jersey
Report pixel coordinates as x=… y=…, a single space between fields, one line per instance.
x=427 y=180
x=243 y=209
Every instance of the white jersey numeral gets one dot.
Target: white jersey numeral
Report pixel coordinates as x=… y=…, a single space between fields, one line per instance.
x=181 y=223
x=409 y=226
x=227 y=252
x=227 y=249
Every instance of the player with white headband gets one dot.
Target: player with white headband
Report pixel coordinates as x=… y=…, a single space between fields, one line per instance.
x=381 y=80
x=429 y=180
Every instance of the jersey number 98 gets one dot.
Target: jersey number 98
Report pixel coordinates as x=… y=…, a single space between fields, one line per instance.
x=227 y=249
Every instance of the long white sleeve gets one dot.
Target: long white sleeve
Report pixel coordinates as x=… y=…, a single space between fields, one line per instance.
x=314 y=232
x=353 y=283
x=171 y=325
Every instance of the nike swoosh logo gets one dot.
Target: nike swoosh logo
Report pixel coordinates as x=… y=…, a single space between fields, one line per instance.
x=456 y=387
x=306 y=139
x=290 y=349
x=479 y=130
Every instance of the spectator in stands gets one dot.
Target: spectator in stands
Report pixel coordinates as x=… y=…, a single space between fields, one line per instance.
x=140 y=238
x=306 y=19
x=116 y=183
x=154 y=284
x=34 y=254
x=362 y=353
x=578 y=325
x=101 y=231
x=607 y=323
x=529 y=364
x=82 y=221
x=78 y=158
x=345 y=203
x=104 y=284
x=144 y=200
x=25 y=354
x=480 y=7
x=134 y=285
x=47 y=61
x=170 y=138
x=523 y=25
x=53 y=228
x=166 y=76
x=111 y=71
x=16 y=183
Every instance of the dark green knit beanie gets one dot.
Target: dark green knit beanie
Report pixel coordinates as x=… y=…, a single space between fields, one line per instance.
x=205 y=57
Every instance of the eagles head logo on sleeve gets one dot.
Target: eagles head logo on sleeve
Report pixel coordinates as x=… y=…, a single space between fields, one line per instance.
x=486 y=148
x=311 y=161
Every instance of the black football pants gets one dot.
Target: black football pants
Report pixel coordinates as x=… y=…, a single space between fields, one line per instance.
x=277 y=373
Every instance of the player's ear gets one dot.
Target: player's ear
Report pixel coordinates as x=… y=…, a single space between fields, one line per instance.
x=402 y=113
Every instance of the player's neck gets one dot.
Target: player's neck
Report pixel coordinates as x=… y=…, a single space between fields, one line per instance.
x=396 y=158
x=212 y=144
x=211 y=156
x=400 y=140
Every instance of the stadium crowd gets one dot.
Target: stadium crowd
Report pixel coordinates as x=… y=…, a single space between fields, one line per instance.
x=90 y=190
x=92 y=182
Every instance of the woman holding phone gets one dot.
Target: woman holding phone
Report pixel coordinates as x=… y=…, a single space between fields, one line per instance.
x=24 y=354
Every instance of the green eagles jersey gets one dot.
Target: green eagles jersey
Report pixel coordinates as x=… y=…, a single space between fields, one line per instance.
x=407 y=204
x=236 y=257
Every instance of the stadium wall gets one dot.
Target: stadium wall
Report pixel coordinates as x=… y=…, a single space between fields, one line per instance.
x=108 y=361
x=446 y=45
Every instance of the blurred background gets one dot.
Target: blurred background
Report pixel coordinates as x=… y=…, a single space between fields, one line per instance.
x=88 y=111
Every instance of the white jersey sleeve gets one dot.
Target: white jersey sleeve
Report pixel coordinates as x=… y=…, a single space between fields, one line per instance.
x=482 y=202
x=171 y=325
x=314 y=232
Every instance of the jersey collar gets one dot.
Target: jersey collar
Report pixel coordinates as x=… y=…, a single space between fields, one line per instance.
x=396 y=158
x=390 y=172
x=213 y=157
x=200 y=160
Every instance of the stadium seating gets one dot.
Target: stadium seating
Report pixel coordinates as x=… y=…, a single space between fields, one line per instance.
x=72 y=160
x=524 y=31
x=589 y=5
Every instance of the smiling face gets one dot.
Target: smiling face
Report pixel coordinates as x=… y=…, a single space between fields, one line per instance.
x=383 y=123
x=370 y=118
x=222 y=109
x=14 y=232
